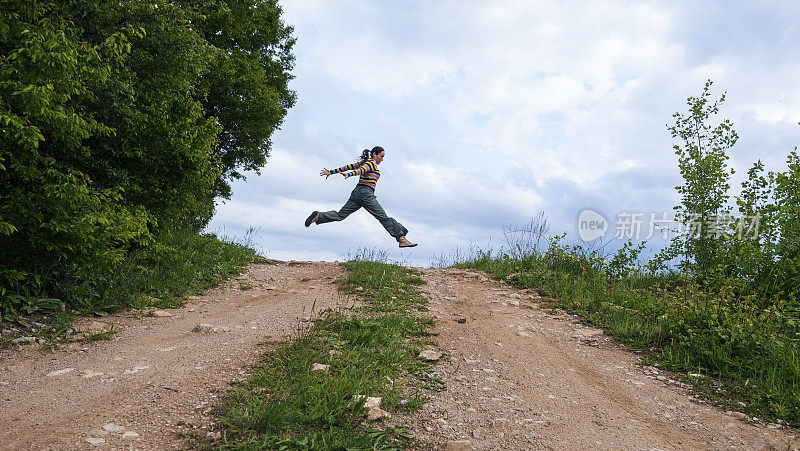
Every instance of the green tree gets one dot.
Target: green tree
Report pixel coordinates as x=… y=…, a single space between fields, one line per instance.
x=54 y=215
x=248 y=88
x=702 y=151
x=121 y=121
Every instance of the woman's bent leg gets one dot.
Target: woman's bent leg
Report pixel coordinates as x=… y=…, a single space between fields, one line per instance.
x=331 y=216
x=395 y=229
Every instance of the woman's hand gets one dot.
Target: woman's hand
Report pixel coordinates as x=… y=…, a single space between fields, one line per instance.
x=325 y=172
x=346 y=174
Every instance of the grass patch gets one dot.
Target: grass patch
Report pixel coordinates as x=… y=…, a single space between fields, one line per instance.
x=104 y=335
x=372 y=351
x=183 y=263
x=750 y=355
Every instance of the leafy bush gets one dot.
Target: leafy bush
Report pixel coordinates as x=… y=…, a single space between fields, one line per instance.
x=120 y=122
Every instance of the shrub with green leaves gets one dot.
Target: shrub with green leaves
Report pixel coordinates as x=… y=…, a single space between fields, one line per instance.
x=120 y=122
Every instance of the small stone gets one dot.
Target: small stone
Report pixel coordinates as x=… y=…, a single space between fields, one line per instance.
x=376 y=413
x=130 y=435
x=661 y=378
x=271 y=288
x=96 y=441
x=90 y=374
x=461 y=320
x=305 y=319
x=320 y=368
x=205 y=328
x=514 y=303
x=22 y=340
x=135 y=370
x=458 y=445
x=162 y=314
x=372 y=402
x=515 y=296
x=111 y=427
x=60 y=372
x=729 y=425
x=430 y=355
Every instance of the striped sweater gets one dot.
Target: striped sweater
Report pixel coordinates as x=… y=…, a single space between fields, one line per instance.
x=367 y=170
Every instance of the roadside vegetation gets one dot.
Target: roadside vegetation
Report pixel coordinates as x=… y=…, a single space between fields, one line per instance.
x=372 y=351
x=120 y=124
x=719 y=304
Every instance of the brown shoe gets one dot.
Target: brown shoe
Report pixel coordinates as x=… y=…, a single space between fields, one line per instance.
x=405 y=243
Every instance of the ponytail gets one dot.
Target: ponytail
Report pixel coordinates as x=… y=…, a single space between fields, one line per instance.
x=367 y=154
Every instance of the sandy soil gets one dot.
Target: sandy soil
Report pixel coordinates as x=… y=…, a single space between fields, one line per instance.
x=156 y=377
x=518 y=376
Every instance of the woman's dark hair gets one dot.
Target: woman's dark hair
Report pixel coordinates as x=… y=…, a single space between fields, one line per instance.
x=366 y=153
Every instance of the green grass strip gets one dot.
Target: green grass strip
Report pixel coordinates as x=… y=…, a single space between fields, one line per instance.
x=284 y=405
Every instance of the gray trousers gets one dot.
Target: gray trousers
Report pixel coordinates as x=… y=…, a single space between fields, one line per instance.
x=364 y=196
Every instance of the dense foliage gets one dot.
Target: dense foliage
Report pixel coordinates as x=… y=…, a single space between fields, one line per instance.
x=120 y=122
x=757 y=248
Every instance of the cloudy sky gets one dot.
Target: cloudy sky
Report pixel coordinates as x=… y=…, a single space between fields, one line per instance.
x=492 y=111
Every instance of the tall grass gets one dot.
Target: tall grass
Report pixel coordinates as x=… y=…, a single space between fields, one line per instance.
x=160 y=275
x=737 y=351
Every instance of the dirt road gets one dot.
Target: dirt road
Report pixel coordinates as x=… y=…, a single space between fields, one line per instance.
x=156 y=377
x=518 y=377
x=521 y=377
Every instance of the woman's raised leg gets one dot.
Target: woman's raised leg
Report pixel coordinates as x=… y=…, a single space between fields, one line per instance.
x=395 y=229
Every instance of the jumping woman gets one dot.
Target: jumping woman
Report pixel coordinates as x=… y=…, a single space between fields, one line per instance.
x=363 y=195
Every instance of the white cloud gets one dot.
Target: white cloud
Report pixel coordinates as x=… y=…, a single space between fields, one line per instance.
x=491 y=111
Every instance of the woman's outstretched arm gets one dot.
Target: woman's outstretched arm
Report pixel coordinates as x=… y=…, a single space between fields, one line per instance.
x=348 y=167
